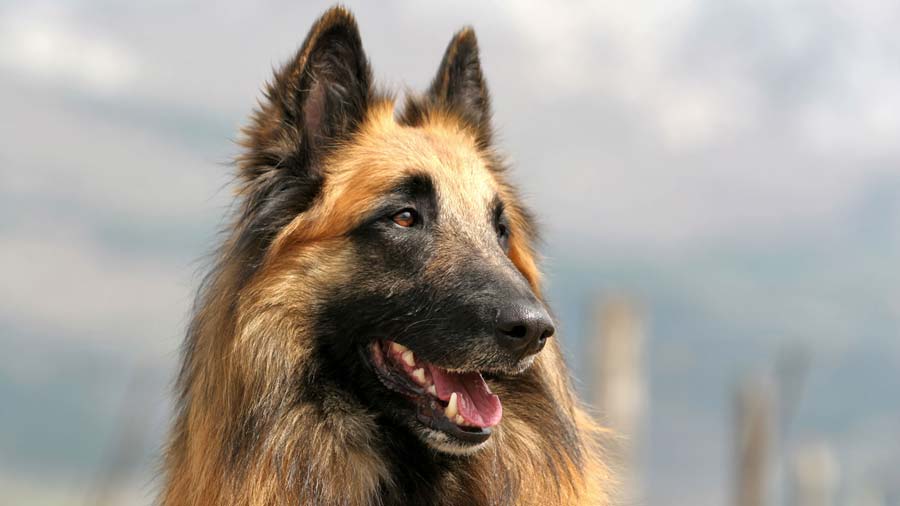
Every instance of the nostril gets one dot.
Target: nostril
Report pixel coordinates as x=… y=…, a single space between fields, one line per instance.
x=547 y=333
x=517 y=331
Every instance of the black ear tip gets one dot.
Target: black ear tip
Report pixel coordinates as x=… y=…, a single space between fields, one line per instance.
x=335 y=31
x=465 y=38
x=337 y=17
x=338 y=14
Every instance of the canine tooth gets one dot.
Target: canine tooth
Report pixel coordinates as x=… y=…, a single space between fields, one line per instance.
x=419 y=375
x=432 y=390
x=398 y=348
x=408 y=358
x=452 y=409
x=459 y=420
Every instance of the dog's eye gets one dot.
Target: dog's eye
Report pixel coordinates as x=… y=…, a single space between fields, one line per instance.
x=503 y=235
x=406 y=218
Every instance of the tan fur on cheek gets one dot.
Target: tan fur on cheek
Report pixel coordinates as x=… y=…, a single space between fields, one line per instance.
x=523 y=258
x=280 y=301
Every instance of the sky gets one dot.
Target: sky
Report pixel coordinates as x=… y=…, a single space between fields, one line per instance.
x=733 y=165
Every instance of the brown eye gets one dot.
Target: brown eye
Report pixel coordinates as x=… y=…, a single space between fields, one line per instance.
x=406 y=218
x=503 y=235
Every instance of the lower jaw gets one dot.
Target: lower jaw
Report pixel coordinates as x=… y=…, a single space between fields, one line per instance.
x=441 y=442
x=430 y=413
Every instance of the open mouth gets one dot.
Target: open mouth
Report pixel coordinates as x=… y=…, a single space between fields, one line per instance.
x=459 y=404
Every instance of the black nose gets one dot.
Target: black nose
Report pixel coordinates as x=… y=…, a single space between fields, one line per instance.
x=523 y=329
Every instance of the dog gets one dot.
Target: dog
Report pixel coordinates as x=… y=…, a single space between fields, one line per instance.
x=373 y=331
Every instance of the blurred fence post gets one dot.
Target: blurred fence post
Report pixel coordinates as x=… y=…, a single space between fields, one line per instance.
x=753 y=440
x=618 y=390
x=126 y=448
x=814 y=476
x=869 y=495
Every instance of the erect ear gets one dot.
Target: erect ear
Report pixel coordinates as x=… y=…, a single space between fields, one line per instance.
x=318 y=98
x=460 y=86
x=315 y=101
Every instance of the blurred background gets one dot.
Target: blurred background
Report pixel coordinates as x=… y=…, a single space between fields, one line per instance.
x=718 y=180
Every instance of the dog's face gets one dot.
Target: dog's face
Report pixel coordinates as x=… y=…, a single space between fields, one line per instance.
x=433 y=300
x=410 y=264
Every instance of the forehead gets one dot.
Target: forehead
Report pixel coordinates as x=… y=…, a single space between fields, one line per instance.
x=385 y=153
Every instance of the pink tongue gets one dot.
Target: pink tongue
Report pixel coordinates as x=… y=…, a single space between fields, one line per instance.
x=477 y=405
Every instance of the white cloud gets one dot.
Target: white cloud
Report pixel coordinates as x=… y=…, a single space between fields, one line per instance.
x=59 y=283
x=624 y=50
x=720 y=106
x=55 y=151
x=46 y=45
x=701 y=72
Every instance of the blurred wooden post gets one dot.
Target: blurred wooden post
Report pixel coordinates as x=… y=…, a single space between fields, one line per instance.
x=870 y=495
x=814 y=476
x=618 y=390
x=126 y=448
x=753 y=439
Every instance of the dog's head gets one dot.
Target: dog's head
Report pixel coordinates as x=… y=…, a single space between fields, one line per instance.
x=389 y=250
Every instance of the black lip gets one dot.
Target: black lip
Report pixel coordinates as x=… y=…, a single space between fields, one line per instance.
x=431 y=414
x=429 y=410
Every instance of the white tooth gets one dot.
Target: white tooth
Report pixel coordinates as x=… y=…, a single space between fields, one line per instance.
x=398 y=348
x=408 y=358
x=419 y=375
x=452 y=409
x=432 y=390
x=459 y=420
